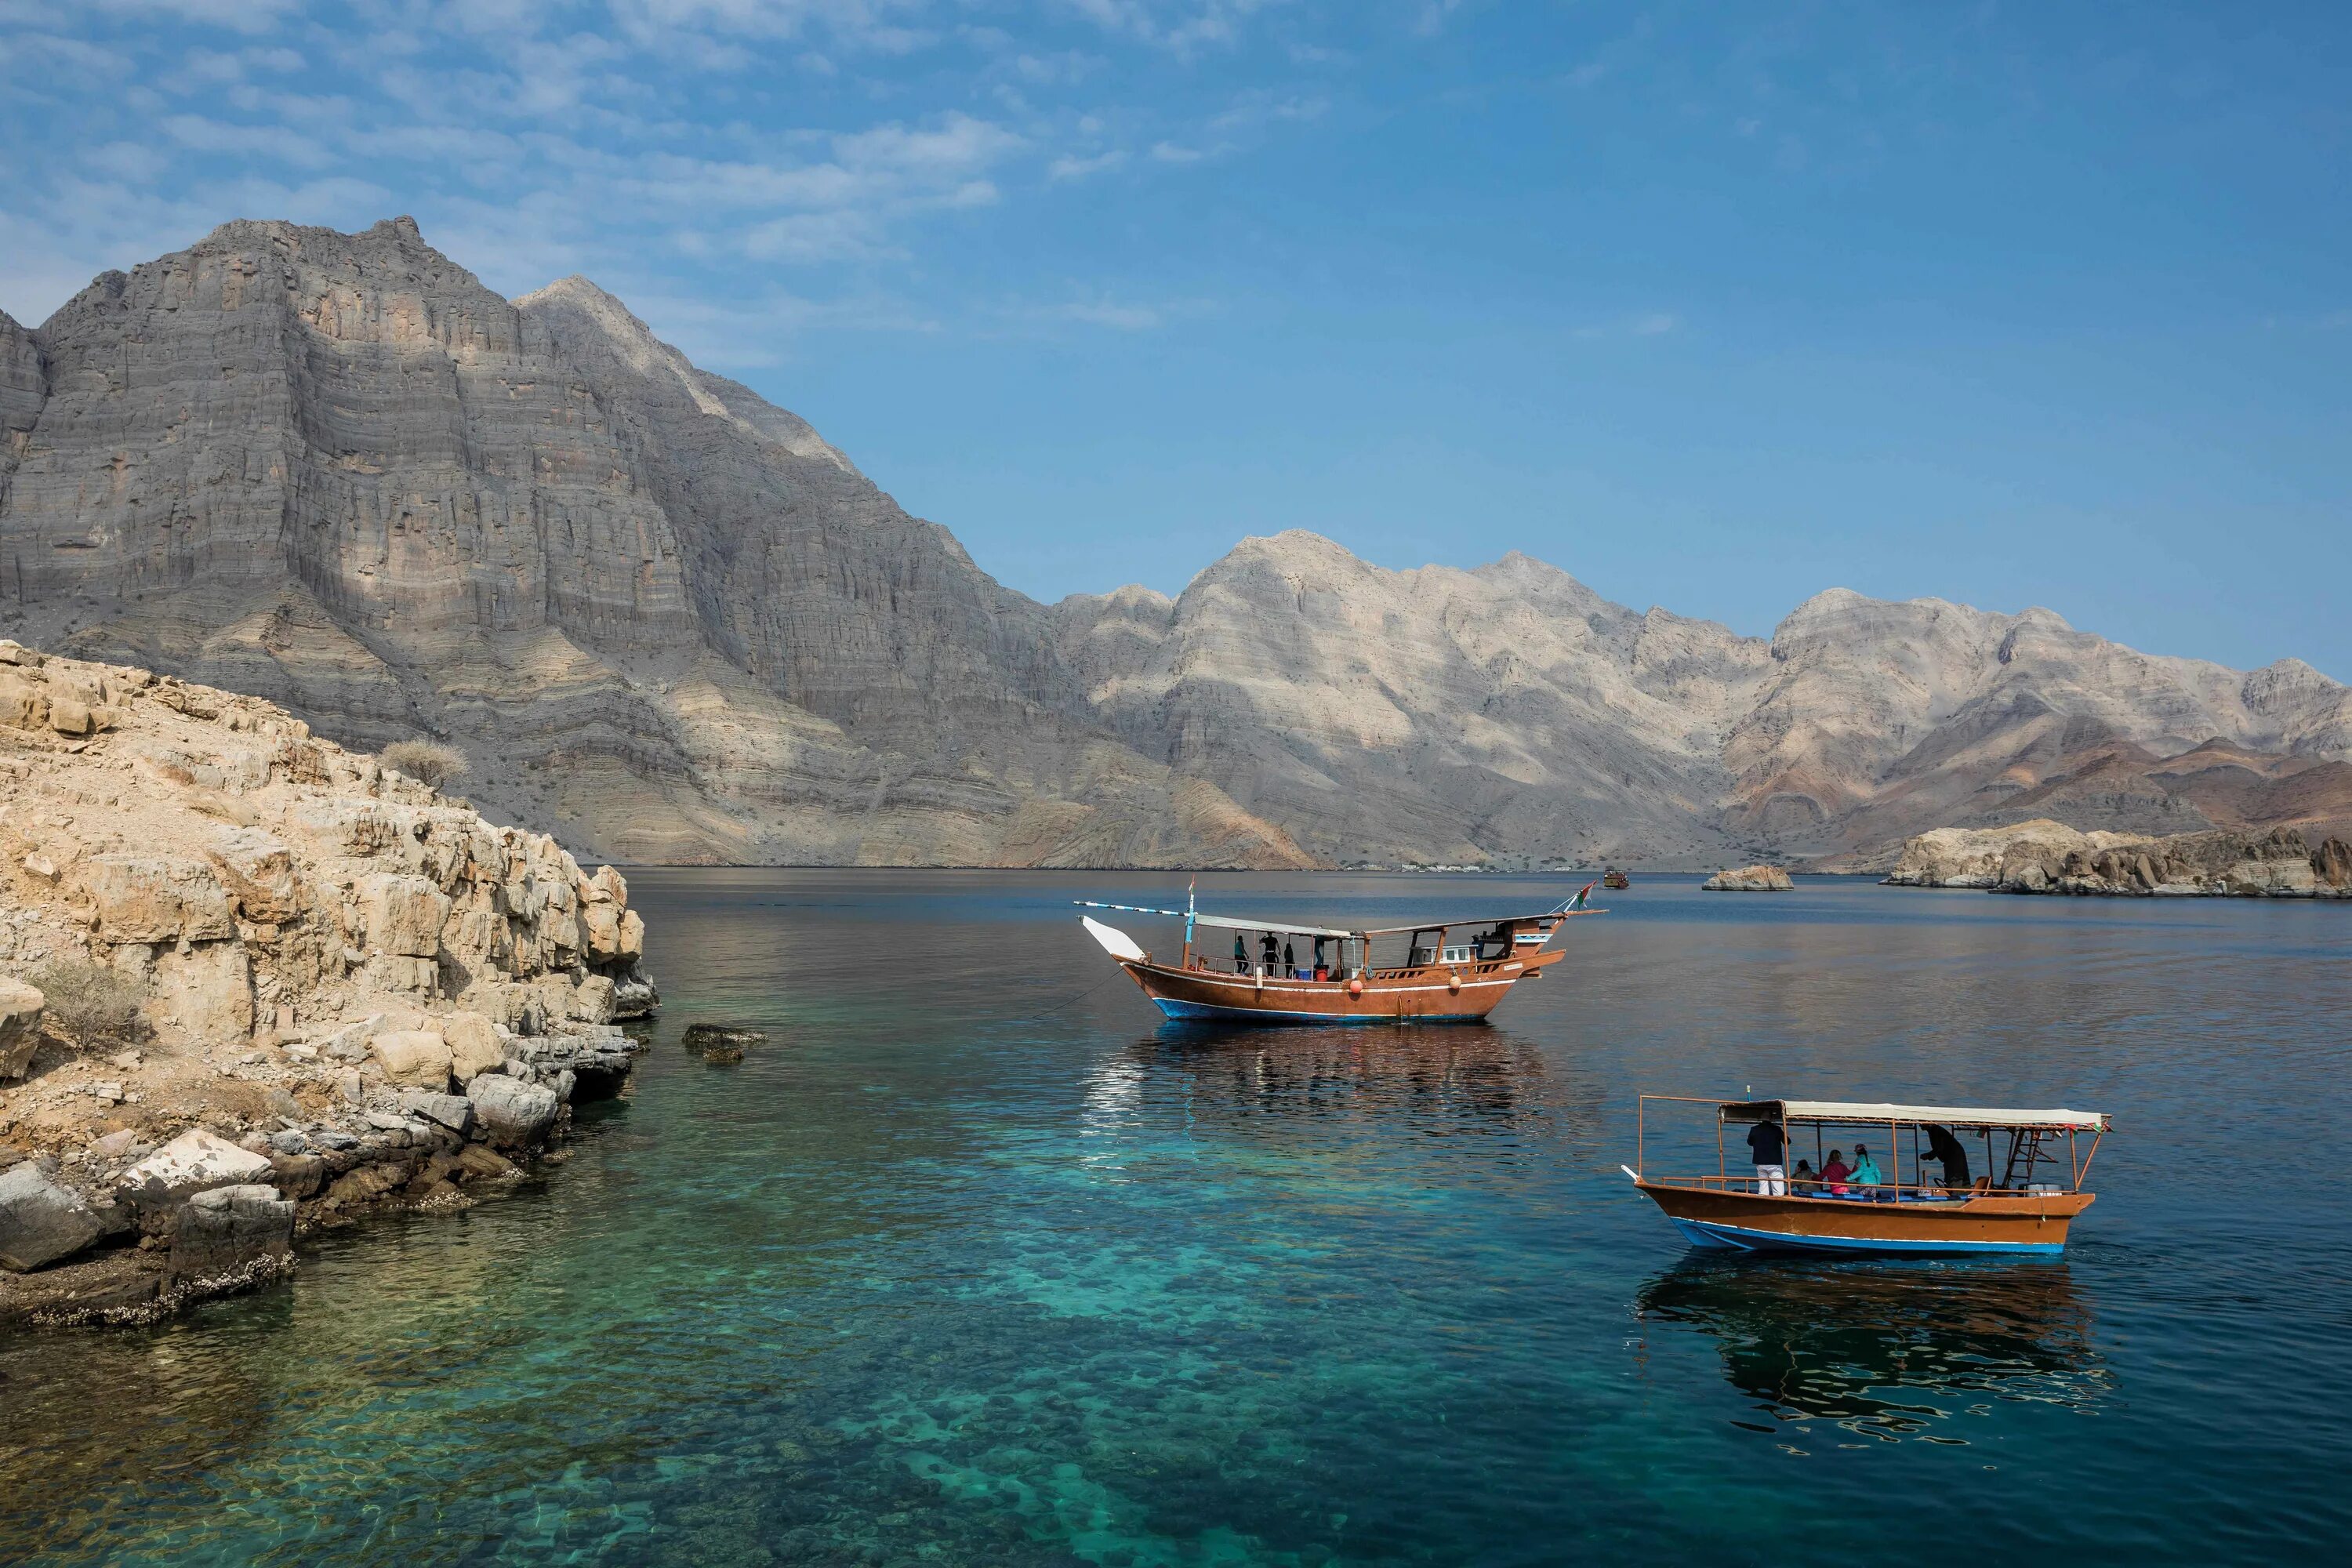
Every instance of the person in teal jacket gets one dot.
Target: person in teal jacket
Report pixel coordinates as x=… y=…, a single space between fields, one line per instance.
x=1866 y=1176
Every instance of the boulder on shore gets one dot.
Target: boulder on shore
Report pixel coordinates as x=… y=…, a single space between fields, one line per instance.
x=231 y=1235
x=40 y=1221
x=511 y=1112
x=193 y=1162
x=1750 y=879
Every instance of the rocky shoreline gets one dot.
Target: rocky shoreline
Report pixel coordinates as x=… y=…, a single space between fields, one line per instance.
x=2044 y=857
x=253 y=985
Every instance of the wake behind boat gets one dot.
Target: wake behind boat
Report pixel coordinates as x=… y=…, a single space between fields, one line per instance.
x=1452 y=970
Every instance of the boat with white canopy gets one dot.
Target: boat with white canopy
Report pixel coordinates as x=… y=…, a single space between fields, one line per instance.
x=1808 y=1200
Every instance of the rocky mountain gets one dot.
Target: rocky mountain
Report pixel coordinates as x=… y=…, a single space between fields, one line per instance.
x=670 y=622
x=1512 y=714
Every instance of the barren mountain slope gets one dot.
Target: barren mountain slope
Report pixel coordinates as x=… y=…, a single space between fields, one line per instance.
x=1434 y=714
x=1512 y=713
x=665 y=619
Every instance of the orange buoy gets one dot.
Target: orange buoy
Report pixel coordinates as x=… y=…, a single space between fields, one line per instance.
x=1454 y=983
x=1356 y=986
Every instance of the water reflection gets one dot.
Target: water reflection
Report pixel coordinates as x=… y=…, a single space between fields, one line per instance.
x=1448 y=1079
x=1888 y=1349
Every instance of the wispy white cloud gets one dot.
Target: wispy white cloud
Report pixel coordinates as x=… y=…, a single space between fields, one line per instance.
x=1650 y=324
x=1071 y=166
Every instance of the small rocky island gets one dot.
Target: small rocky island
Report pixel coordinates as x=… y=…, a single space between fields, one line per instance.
x=1750 y=879
x=2046 y=857
x=252 y=984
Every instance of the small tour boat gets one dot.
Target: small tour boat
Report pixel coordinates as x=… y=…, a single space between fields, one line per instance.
x=1816 y=1205
x=1443 y=977
x=1615 y=880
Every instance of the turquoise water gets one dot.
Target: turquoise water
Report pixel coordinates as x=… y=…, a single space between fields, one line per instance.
x=973 y=1264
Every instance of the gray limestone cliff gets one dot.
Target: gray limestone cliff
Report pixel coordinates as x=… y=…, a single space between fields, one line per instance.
x=665 y=618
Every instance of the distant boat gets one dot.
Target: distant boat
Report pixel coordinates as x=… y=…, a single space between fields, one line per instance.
x=2037 y=1196
x=1443 y=977
x=1613 y=879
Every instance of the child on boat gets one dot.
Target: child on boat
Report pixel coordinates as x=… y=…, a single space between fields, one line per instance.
x=1835 y=1173
x=1865 y=1173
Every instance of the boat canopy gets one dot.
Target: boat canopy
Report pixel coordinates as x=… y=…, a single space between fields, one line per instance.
x=1867 y=1112
x=1289 y=928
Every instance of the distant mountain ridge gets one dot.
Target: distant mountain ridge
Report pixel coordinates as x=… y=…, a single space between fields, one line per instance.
x=670 y=622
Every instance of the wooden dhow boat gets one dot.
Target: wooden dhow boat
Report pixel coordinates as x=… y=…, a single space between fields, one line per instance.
x=1817 y=1206
x=1450 y=971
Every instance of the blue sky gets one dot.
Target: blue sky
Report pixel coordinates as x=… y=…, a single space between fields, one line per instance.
x=1712 y=306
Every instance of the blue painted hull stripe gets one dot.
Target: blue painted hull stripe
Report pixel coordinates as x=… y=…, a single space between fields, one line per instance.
x=1709 y=1233
x=1203 y=1010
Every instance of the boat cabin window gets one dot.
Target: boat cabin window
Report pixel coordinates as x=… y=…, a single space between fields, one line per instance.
x=1465 y=953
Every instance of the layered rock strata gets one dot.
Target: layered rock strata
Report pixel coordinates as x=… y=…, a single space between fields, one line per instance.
x=336 y=471
x=671 y=623
x=347 y=990
x=2046 y=857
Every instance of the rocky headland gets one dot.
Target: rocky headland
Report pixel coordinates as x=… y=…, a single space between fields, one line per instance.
x=253 y=983
x=337 y=471
x=2044 y=857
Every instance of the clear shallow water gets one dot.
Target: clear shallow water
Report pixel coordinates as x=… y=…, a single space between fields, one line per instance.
x=973 y=1265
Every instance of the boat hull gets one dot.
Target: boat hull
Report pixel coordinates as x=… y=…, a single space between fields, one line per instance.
x=1748 y=1222
x=1435 y=996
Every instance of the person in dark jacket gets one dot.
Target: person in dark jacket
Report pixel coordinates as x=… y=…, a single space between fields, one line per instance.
x=1952 y=1154
x=1766 y=1151
x=1241 y=955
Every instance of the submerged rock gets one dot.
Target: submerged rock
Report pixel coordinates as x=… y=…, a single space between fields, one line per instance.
x=703 y=1037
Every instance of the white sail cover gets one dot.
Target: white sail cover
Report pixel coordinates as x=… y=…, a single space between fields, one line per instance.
x=1872 y=1111
x=1115 y=942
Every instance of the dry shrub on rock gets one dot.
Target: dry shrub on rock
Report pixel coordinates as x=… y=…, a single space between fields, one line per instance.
x=89 y=1006
x=427 y=762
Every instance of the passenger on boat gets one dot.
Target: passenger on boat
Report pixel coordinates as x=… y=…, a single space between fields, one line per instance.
x=1268 y=949
x=1836 y=1173
x=1290 y=959
x=1866 y=1175
x=1952 y=1154
x=1241 y=955
x=1764 y=1148
x=1804 y=1182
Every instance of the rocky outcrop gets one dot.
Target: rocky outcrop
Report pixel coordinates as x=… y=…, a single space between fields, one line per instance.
x=330 y=969
x=669 y=621
x=2049 y=857
x=20 y=1026
x=1750 y=879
